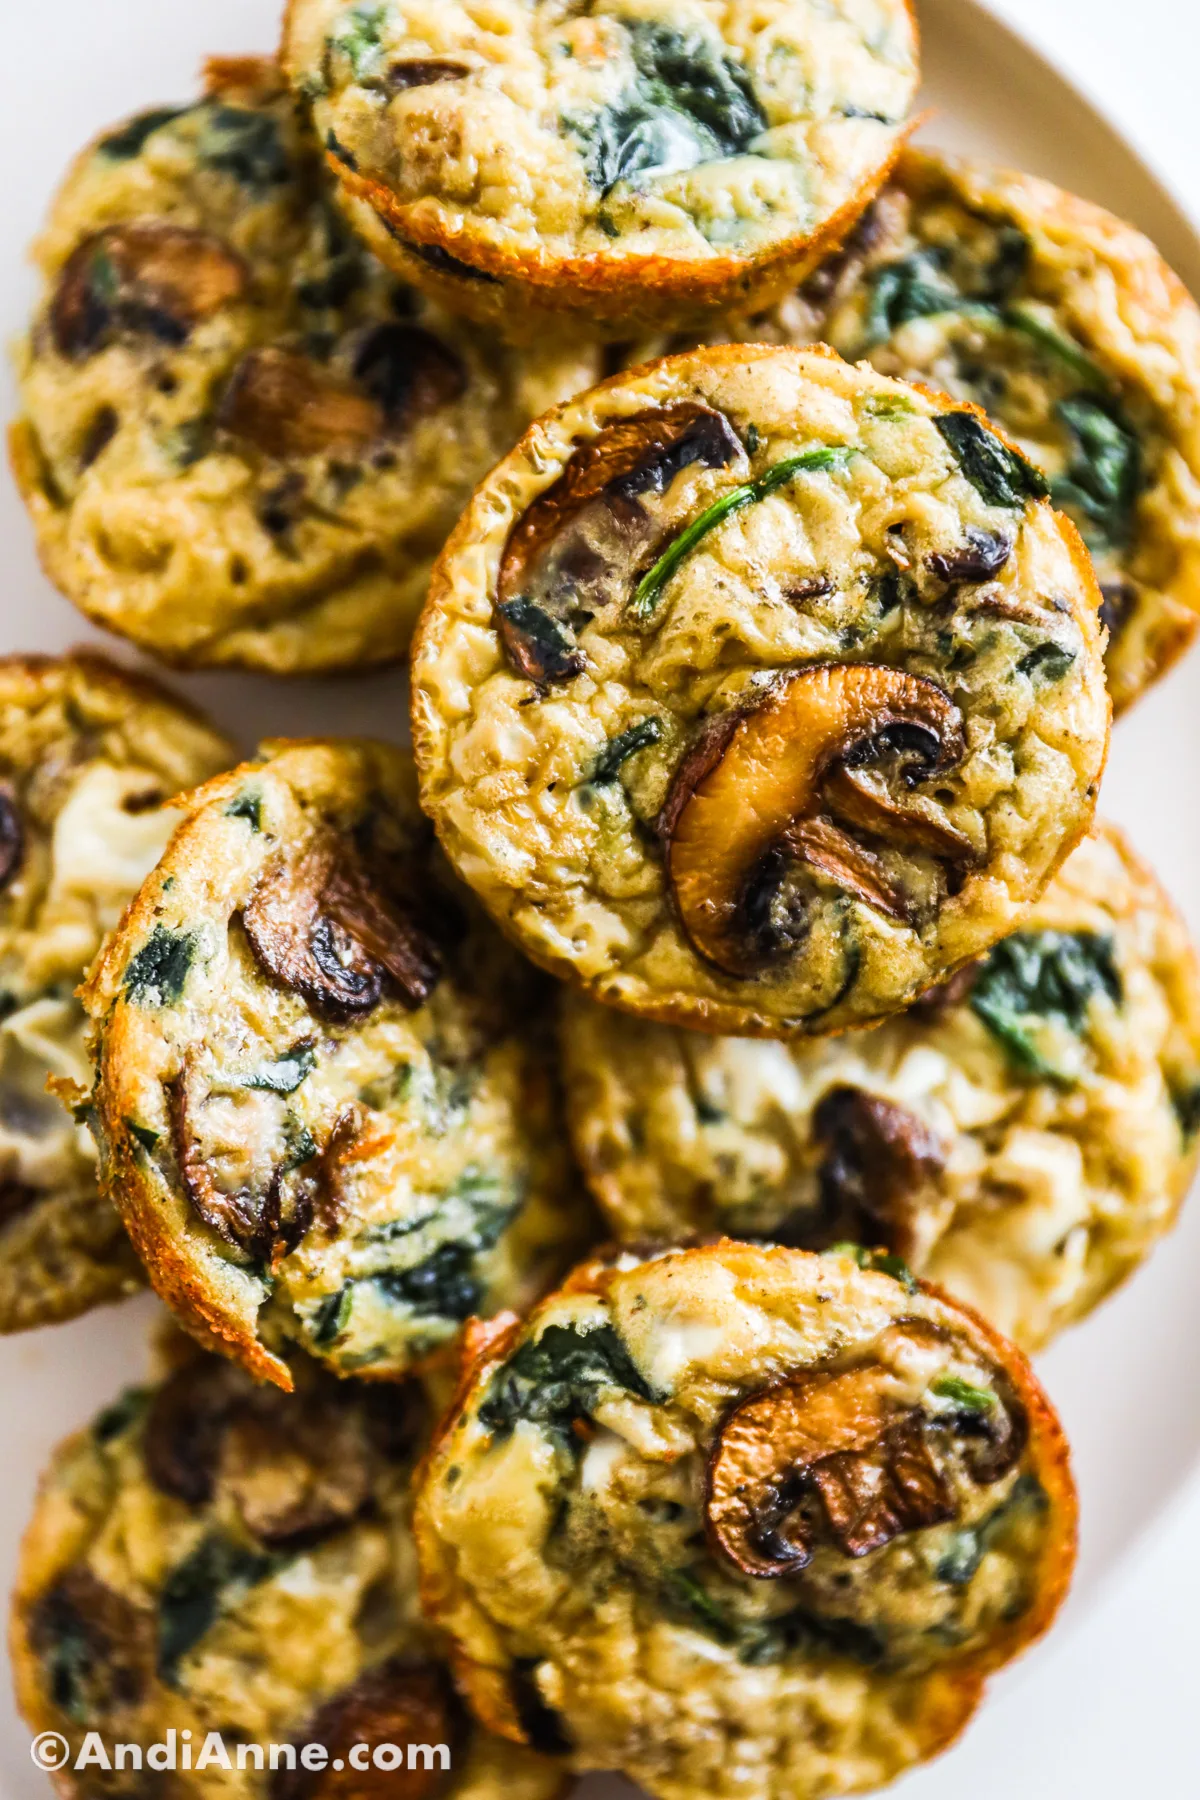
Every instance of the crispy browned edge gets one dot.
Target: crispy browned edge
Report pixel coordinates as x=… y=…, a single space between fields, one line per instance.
x=950 y=1696
x=606 y=1187
x=716 y=1018
x=619 y=292
x=1145 y=281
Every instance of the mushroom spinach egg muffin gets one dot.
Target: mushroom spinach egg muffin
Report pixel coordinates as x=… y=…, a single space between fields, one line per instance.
x=242 y=440
x=89 y=758
x=1068 y=328
x=1023 y=1136
x=756 y=692
x=626 y=159
x=739 y=1521
x=324 y=1094
x=234 y=1565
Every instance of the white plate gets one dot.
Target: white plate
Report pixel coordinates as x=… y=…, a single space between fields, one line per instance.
x=70 y=69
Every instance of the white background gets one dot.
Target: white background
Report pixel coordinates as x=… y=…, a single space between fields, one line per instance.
x=1108 y=1709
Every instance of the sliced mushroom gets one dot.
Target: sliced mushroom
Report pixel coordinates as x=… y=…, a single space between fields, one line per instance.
x=983 y=555
x=185 y=1429
x=417 y=72
x=880 y=1176
x=843 y=1456
x=408 y=372
x=287 y=405
x=296 y=1474
x=398 y=1703
x=264 y=1216
x=589 y=529
x=96 y=1647
x=143 y=279
x=320 y=926
x=756 y=783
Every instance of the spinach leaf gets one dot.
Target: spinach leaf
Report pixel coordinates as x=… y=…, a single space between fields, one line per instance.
x=1186 y=1102
x=691 y=104
x=156 y=975
x=1039 y=976
x=195 y=1591
x=1060 y=348
x=1048 y=661
x=558 y=1377
x=616 y=753
x=911 y=289
x=648 y=591
x=147 y=1138
x=247 y=805
x=552 y=646
x=964 y=1394
x=1104 y=473
x=882 y=1262
x=115 y=1420
x=246 y=145
x=1000 y=475
x=444 y=1286
x=359 y=38
x=130 y=140
x=802 y=1632
x=285 y=1075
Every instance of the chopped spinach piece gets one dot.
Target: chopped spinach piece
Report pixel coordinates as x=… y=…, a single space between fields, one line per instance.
x=336 y=148
x=193 y=1594
x=1000 y=475
x=246 y=145
x=689 y=1597
x=1057 y=345
x=964 y=1394
x=359 y=38
x=648 y=591
x=444 y=1286
x=912 y=289
x=607 y=766
x=1050 y=662
x=1186 y=1102
x=558 y=1377
x=801 y=1631
x=961 y=1558
x=1036 y=976
x=130 y=139
x=157 y=974
x=691 y=104
x=116 y=1419
x=881 y=1262
x=247 y=805
x=544 y=1728
x=1104 y=473
x=966 y=1549
x=333 y=1316
x=285 y=1075
x=148 y=1139
x=189 y=441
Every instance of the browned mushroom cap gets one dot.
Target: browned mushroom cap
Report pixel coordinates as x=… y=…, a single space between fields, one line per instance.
x=590 y=525
x=399 y=1703
x=841 y=1455
x=409 y=372
x=320 y=926
x=96 y=1647
x=879 y=1179
x=417 y=72
x=286 y=405
x=12 y=837
x=143 y=279
x=756 y=782
x=263 y=1212
x=185 y=1428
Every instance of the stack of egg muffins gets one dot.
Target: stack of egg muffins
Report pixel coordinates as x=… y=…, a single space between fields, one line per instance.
x=606 y=1165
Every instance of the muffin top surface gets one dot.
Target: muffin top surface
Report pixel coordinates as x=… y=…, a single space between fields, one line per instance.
x=805 y=1504
x=323 y=1083
x=89 y=758
x=1068 y=328
x=629 y=140
x=757 y=692
x=243 y=440
x=1022 y=1137
x=216 y=1557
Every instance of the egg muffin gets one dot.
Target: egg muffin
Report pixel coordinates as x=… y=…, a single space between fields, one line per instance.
x=1068 y=328
x=629 y=160
x=1023 y=1136
x=215 y=1557
x=242 y=440
x=89 y=758
x=323 y=1095
x=756 y=692
x=740 y=1521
